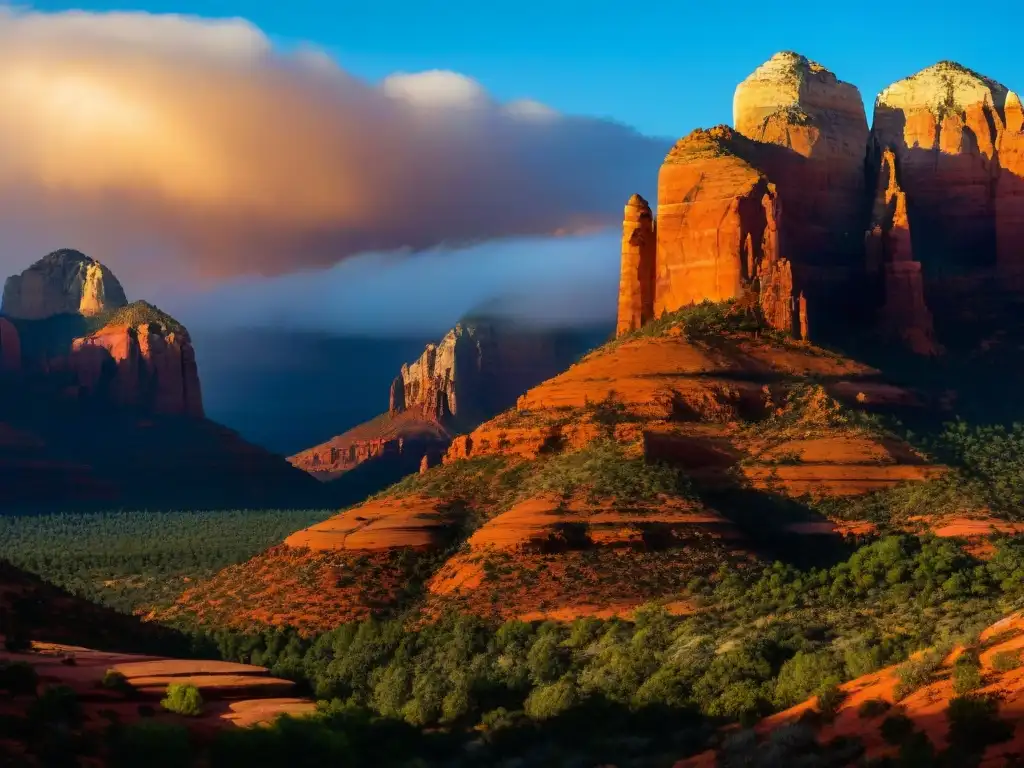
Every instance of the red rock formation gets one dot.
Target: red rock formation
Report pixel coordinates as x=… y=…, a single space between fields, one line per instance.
x=145 y=367
x=719 y=228
x=944 y=124
x=424 y=464
x=710 y=219
x=65 y=281
x=10 y=346
x=636 y=283
x=889 y=250
x=819 y=122
x=1009 y=205
x=775 y=276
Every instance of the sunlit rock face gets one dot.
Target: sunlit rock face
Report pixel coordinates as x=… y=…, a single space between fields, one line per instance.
x=817 y=129
x=945 y=125
x=64 y=281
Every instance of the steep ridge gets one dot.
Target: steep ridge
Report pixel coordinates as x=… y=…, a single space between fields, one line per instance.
x=477 y=369
x=103 y=406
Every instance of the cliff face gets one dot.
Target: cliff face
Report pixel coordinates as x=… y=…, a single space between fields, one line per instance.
x=890 y=255
x=819 y=123
x=449 y=379
x=710 y=219
x=148 y=367
x=945 y=124
x=1009 y=204
x=474 y=372
x=65 y=281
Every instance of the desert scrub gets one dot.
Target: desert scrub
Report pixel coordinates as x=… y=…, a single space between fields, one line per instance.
x=116 y=681
x=967 y=673
x=183 y=699
x=1006 y=661
x=917 y=673
x=141 y=313
x=602 y=470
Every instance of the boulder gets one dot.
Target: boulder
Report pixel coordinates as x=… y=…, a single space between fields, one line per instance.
x=817 y=130
x=636 y=282
x=944 y=125
x=63 y=282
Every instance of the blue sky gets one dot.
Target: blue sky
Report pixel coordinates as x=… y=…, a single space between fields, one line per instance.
x=662 y=67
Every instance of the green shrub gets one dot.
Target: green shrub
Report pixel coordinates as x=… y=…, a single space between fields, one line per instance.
x=152 y=744
x=804 y=674
x=896 y=728
x=56 y=704
x=18 y=678
x=116 y=681
x=974 y=724
x=547 y=701
x=1006 y=661
x=830 y=697
x=917 y=673
x=873 y=708
x=183 y=699
x=967 y=673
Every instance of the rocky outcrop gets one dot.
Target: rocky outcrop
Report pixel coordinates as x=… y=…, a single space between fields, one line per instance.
x=64 y=282
x=889 y=253
x=818 y=123
x=944 y=125
x=10 y=347
x=718 y=229
x=477 y=370
x=448 y=378
x=711 y=221
x=636 y=296
x=147 y=367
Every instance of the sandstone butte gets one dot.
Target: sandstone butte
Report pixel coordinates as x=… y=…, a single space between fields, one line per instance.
x=822 y=217
x=475 y=371
x=926 y=707
x=104 y=402
x=65 y=281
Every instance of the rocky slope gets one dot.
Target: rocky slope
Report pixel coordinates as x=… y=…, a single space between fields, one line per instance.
x=102 y=403
x=878 y=718
x=651 y=461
